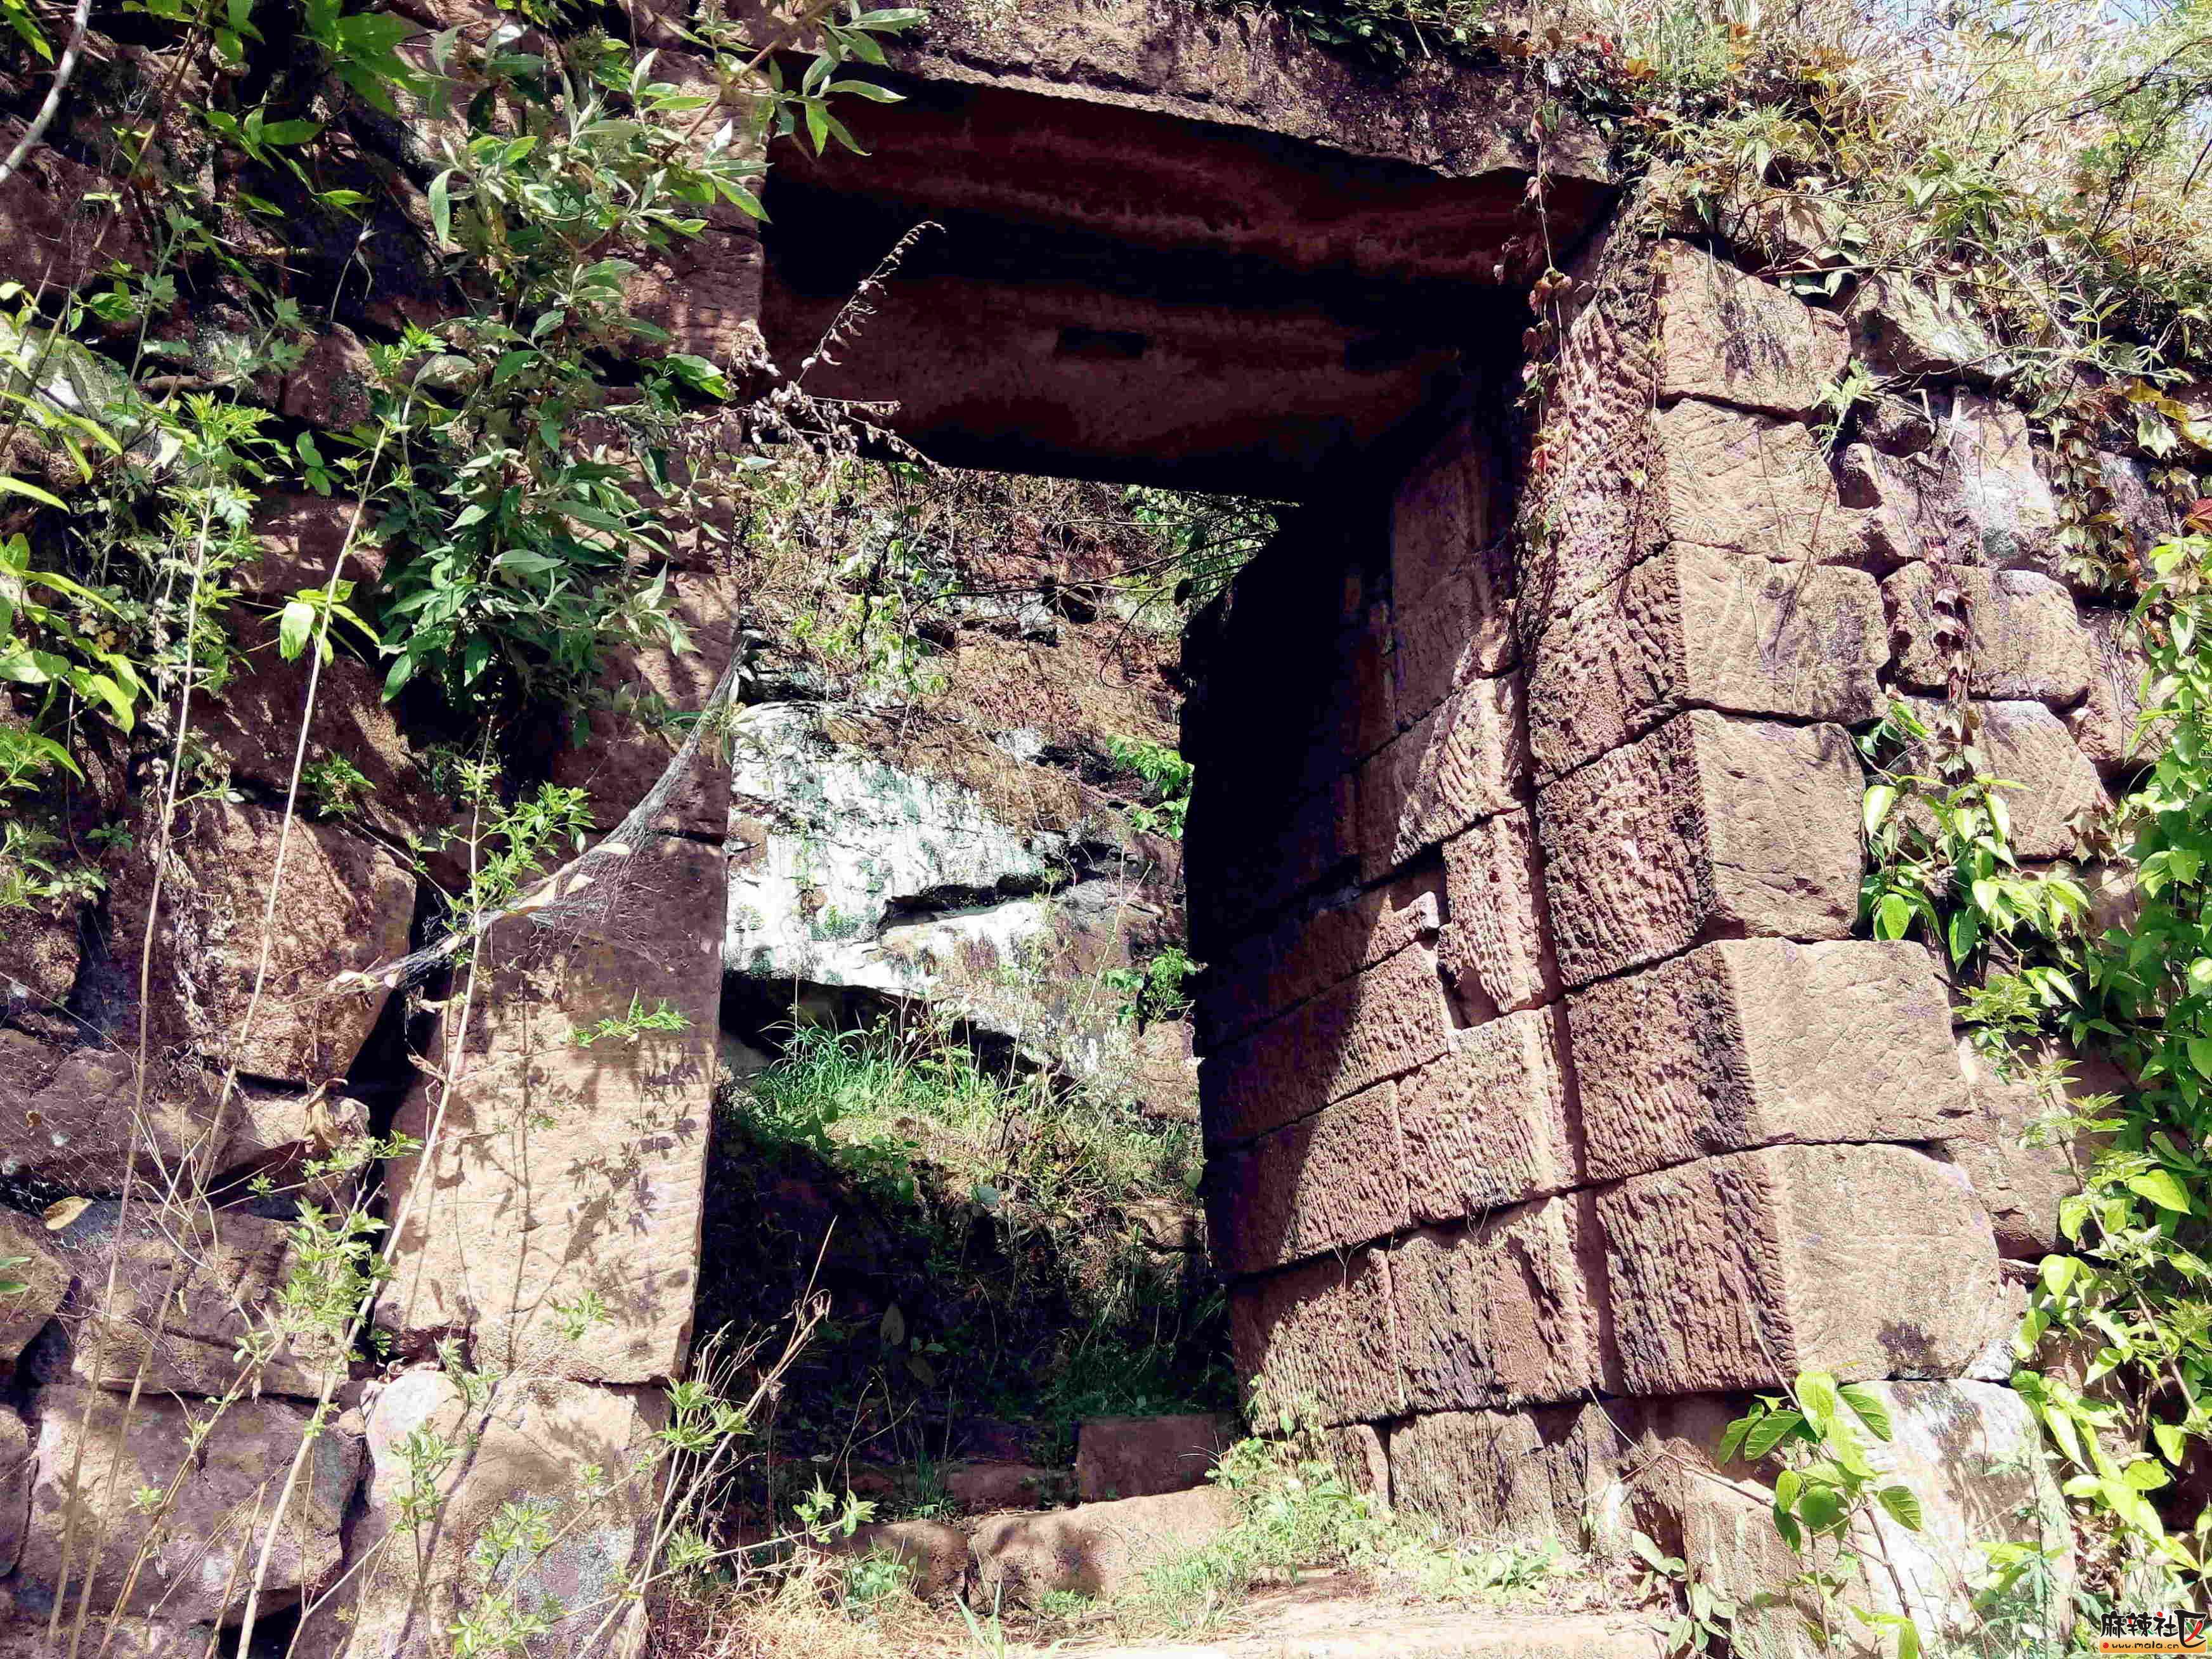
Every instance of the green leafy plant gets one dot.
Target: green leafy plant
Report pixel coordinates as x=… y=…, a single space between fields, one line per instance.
x=336 y=784
x=1826 y=1488
x=629 y=1027
x=1157 y=989
x=1166 y=776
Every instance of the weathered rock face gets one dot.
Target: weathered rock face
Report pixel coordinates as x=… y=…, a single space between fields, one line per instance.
x=184 y=1296
x=1145 y=1456
x=533 y=1443
x=1539 y=1063
x=345 y=905
x=1096 y=1549
x=556 y=1215
x=962 y=875
x=205 y=1544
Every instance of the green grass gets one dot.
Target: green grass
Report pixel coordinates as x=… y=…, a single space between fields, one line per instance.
x=1297 y=1511
x=876 y=1101
x=985 y=1203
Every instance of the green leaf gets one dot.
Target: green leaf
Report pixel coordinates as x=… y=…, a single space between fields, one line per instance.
x=512 y=363
x=1868 y=1407
x=1893 y=916
x=2161 y=1188
x=289 y=132
x=2200 y=1055
x=374 y=35
x=1820 y=1507
x=1964 y=934
x=294 y=627
x=867 y=89
x=2173 y=1441
x=1880 y=797
x=1816 y=1394
x=1771 y=1431
x=1733 y=1437
x=2144 y=1475
x=14 y=486
x=442 y=206
x=1902 y=1504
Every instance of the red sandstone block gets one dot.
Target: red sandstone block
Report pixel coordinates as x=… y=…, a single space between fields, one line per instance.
x=1459 y=630
x=1328 y=1181
x=1305 y=954
x=1465 y=760
x=2024 y=639
x=1740 y=1272
x=1497 y=937
x=1320 y=1336
x=1490 y=1122
x=1509 y=1311
x=1701 y=627
x=1748 y=1043
x=1709 y=826
x=1522 y=1473
x=1726 y=336
x=1260 y=870
x=1441 y=515
x=1387 y=1019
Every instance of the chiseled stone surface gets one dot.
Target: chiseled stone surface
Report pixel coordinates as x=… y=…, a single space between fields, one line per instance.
x=1708 y=825
x=1321 y=1336
x=1522 y=1473
x=559 y=1169
x=1334 y=1179
x=1144 y=1456
x=1491 y=1121
x=1739 y=1272
x=1509 y=1312
x=2105 y=724
x=1973 y=495
x=189 y=1289
x=1312 y=951
x=2052 y=788
x=345 y=904
x=1495 y=943
x=1440 y=516
x=1702 y=627
x=1600 y=497
x=1727 y=337
x=530 y=1442
x=1466 y=759
x=1356 y=1452
x=2023 y=638
x=1754 y=485
x=1387 y=1019
x=208 y=1544
x=2022 y=1185
x=1747 y=1043
x=1457 y=631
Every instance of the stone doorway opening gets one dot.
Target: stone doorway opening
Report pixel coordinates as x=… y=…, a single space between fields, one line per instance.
x=1118 y=289
x=1538 y=1057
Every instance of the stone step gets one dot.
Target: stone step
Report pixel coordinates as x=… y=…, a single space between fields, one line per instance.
x=1347 y=1629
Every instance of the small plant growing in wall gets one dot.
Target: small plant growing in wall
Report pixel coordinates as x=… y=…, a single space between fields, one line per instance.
x=1827 y=1491
x=629 y=1027
x=1166 y=776
x=1157 y=989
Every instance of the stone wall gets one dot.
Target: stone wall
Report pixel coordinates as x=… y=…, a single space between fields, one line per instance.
x=1550 y=1102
